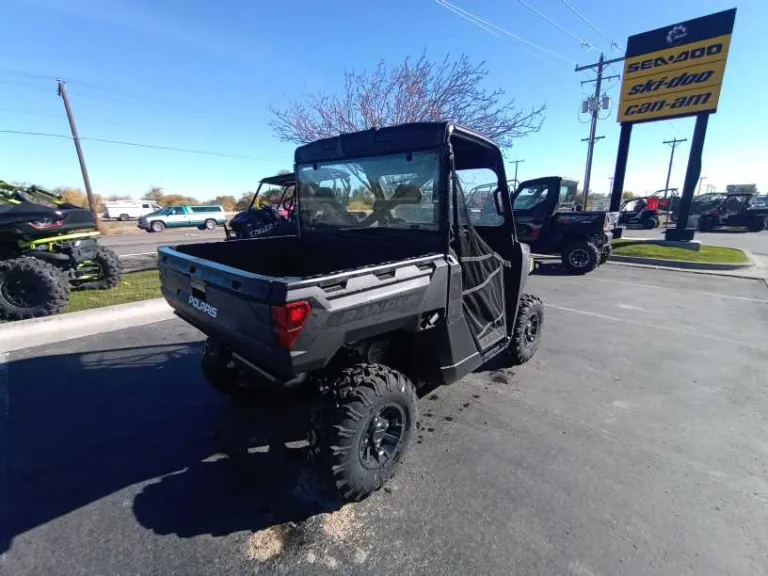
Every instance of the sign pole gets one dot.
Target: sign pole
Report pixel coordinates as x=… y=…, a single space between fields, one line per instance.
x=692 y=174
x=621 y=166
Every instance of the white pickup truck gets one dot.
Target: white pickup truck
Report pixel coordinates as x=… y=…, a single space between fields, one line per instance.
x=202 y=217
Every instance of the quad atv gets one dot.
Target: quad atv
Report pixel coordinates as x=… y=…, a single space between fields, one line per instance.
x=733 y=210
x=47 y=248
x=361 y=309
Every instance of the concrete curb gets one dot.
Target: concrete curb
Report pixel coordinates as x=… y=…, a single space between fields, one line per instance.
x=685 y=265
x=51 y=329
x=720 y=273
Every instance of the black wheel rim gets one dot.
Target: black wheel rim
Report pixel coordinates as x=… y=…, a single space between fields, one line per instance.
x=531 y=332
x=383 y=436
x=578 y=258
x=21 y=292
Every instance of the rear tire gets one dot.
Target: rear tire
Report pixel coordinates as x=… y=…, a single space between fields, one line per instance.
x=581 y=257
x=31 y=288
x=756 y=225
x=650 y=223
x=111 y=271
x=361 y=432
x=157 y=226
x=210 y=224
x=124 y=218
x=213 y=361
x=526 y=334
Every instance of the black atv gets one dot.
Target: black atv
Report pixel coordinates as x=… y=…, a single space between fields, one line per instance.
x=734 y=210
x=636 y=212
x=47 y=248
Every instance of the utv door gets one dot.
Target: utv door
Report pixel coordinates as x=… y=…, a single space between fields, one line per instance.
x=533 y=203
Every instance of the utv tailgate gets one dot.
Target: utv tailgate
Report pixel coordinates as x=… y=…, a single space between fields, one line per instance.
x=229 y=304
x=235 y=306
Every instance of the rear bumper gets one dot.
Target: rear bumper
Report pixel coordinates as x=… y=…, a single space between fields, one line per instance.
x=260 y=377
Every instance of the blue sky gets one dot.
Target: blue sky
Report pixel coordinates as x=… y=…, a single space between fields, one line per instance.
x=200 y=75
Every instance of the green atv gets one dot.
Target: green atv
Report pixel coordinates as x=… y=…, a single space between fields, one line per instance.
x=47 y=248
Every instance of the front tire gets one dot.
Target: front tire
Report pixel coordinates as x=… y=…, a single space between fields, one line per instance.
x=110 y=270
x=157 y=226
x=362 y=432
x=124 y=218
x=706 y=224
x=31 y=288
x=756 y=225
x=210 y=224
x=581 y=257
x=526 y=334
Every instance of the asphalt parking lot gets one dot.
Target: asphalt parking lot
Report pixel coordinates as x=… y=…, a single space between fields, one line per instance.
x=633 y=443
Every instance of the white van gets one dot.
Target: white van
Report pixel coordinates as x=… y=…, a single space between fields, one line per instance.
x=129 y=209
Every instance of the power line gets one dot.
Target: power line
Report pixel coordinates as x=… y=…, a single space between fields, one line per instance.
x=584 y=43
x=448 y=5
x=141 y=145
x=570 y=7
x=470 y=20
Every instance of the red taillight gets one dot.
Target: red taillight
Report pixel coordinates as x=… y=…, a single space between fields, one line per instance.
x=288 y=322
x=652 y=203
x=46 y=224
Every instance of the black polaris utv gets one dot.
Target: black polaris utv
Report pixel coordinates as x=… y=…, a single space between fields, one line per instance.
x=733 y=210
x=47 y=247
x=549 y=219
x=274 y=217
x=363 y=309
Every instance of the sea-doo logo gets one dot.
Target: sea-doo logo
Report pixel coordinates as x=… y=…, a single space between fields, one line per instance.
x=204 y=307
x=676 y=33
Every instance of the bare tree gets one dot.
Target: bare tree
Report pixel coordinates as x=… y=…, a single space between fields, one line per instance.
x=412 y=91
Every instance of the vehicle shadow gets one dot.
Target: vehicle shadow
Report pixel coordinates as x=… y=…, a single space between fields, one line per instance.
x=80 y=427
x=550 y=268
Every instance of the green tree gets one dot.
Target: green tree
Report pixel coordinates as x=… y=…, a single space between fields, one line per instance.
x=226 y=201
x=627 y=195
x=156 y=194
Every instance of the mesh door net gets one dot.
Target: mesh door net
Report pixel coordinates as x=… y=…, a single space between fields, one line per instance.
x=482 y=273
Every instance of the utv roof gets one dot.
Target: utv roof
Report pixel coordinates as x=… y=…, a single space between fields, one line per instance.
x=388 y=140
x=280 y=179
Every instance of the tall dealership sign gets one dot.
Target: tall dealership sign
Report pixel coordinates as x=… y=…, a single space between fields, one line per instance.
x=672 y=72
x=676 y=70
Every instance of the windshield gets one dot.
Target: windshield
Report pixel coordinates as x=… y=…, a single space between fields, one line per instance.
x=383 y=191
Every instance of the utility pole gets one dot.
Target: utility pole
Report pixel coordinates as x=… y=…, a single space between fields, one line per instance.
x=673 y=144
x=593 y=106
x=611 y=186
x=516 y=162
x=700 y=181
x=78 y=148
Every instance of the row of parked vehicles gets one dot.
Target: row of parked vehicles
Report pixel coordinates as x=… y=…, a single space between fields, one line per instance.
x=386 y=267
x=708 y=212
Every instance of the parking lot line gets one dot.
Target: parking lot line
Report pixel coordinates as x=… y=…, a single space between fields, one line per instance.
x=655 y=326
x=702 y=292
